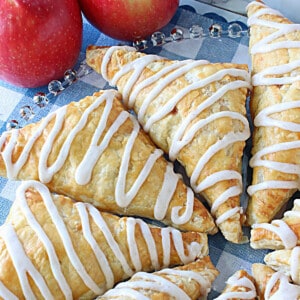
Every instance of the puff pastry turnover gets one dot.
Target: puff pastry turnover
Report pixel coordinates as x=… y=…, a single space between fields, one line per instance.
x=94 y=151
x=194 y=111
x=279 y=234
x=273 y=285
x=275 y=107
x=192 y=281
x=240 y=285
x=54 y=248
x=286 y=261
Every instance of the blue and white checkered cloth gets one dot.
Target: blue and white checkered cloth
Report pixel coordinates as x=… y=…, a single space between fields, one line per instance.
x=226 y=256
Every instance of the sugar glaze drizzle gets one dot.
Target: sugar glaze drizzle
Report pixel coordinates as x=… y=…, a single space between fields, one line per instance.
x=154 y=282
x=23 y=264
x=185 y=133
x=295 y=264
x=275 y=75
x=236 y=281
x=84 y=170
x=281 y=227
x=285 y=288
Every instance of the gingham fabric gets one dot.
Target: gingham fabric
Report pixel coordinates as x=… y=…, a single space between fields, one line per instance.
x=226 y=256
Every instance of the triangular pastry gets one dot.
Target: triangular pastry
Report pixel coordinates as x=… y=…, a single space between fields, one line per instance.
x=286 y=261
x=240 y=285
x=94 y=151
x=192 y=281
x=279 y=234
x=194 y=111
x=54 y=248
x=275 y=106
x=272 y=285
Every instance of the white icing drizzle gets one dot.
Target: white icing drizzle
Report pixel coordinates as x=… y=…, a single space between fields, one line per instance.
x=5 y=293
x=133 y=249
x=204 y=284
x=272 y=184
x=166 y=244
x=62 y=231
x=221 y=144
x=147 y=281
x=295 y=211
x=285 y=288
x=83 y=209
x=23 y=264
x=84 y=170
x=46 y=173
x=184 y=136
x=154 y=282
x=294 y=265
x=264 y=118
x=163 y=201
x=194 y=248
x=210 y=180
x=100 y=222
x=262 y=78
x=106 y=58
x=125 y=291
x=184 y=217
x=171 y=104
x=284 y=232
x=163 y=83
x=33 y=223
x=124 y=199
x=257 y=160
x=264 y=45
x=13 y=169
x=137 y=66
x=228 y=214
x=231 y=192
x=184 y=133
x=235 y=281
x=150 y=80
x=254 y=3
x=281 y=227
x=86 y=211
x=157 y=283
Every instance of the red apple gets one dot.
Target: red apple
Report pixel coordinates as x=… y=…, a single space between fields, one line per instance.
x=128 y=19
x=39 y=40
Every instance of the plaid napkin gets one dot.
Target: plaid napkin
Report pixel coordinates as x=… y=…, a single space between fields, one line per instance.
x=226 y=256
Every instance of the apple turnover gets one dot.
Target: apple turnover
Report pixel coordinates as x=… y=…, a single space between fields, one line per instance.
x=94 y=151
x=280 y=233
x=191 y=282
x=54 y=248
x=271 y=285
x=275 y=106
x=286 y=261
x=240 y=286
x=194 y=111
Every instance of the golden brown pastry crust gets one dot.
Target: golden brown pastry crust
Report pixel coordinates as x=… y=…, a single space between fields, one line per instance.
x=278 y=184
x=270 y=283
x=240 y=285
x=286 y=261
x=271 y=237
x=101 y=189
x=162 y=130
x=185 y=282
x=70 y=214
x=262 y=274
